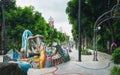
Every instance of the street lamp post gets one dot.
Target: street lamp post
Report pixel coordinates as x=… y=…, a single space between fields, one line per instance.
x=3 y=27
x=79 y=37
x=104 y=17
x=95 y=43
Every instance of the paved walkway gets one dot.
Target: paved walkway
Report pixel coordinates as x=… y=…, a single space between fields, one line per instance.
x=86 y=67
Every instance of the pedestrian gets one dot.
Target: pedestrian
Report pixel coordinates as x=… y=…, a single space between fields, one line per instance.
x=113 y=46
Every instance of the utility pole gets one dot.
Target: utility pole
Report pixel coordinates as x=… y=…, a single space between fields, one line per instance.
x=79 y=30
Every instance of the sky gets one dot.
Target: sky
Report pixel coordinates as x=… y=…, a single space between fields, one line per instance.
x=55 y=9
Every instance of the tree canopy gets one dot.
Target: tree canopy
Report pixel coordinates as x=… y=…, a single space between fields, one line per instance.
x=90 y=11
x=18 y=19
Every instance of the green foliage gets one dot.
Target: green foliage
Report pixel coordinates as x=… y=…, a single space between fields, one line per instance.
x=90 y=11
x=116 y=56
x=72 y=11
x=98 y=37
x=19 y=19
x=90 y=47
x=102 y=49
x=86 y=52
x=115 y=70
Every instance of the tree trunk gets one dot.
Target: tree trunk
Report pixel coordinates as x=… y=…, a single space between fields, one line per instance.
x=0 y=38
x=103 y=40
x=85 y=44
x=110 y=26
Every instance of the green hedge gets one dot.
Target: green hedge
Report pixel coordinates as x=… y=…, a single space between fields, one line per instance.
x=115 y=70
x=86 y=52
x=116 y=56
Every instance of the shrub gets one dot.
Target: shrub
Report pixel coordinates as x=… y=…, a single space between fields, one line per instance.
x=115 y=71
x=86 y=52
x=116 y=56
x=90 y=47
x=102 y=49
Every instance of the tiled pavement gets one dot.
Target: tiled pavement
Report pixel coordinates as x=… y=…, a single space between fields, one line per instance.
x=86 y=67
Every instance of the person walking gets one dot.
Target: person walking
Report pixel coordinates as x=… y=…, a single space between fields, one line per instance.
x=113 y=47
